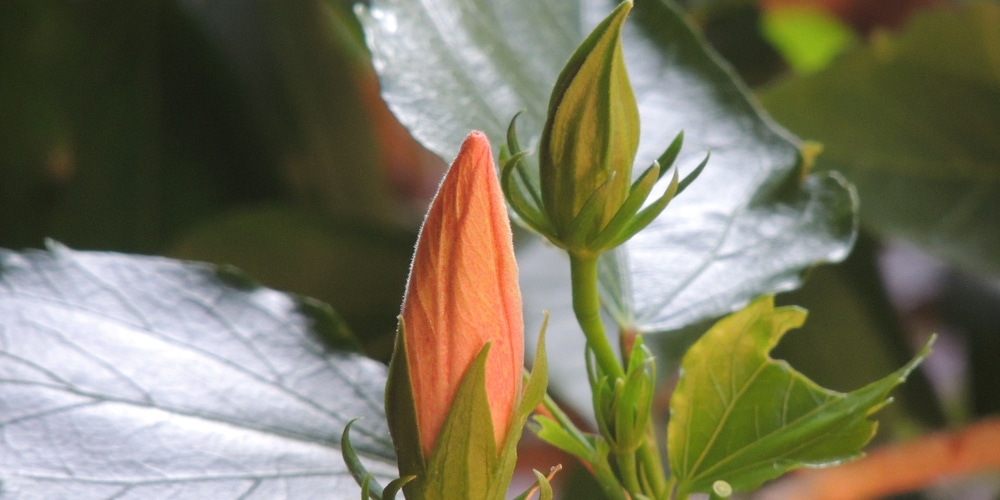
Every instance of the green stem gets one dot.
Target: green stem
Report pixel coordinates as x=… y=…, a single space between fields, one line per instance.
x=649 y=457
x=629 y=474
x=587 y=307
x=607 y=479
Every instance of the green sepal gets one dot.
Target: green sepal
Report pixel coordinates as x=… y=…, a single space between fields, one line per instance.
x=740 y=417
x=552 y=432
x=369 y=486
x=367 y=494
x=528 y=209
x=464 y=459
x=531 y=396
x=401 y=414
x=689 y=178
x=603 y=393
x=544 y=488
x=591 y=130
x=395 y=486
x=541 y=485
x=667 y=159
x=651 y=212
x=615 y=232
x=587 y=220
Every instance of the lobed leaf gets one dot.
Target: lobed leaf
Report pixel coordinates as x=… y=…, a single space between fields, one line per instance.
x=740 y=417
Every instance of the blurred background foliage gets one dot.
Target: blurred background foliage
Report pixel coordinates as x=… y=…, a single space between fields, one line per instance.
x=249 y=133
x=252 y=134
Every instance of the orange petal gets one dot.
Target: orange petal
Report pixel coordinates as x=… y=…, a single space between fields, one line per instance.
x=462 y=293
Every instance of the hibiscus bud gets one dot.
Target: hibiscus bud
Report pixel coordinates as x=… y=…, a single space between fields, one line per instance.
x=583 y=198
x=591 y=134
x=462 y=296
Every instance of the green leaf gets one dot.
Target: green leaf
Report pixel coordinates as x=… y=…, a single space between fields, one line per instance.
x=149 y=377
x=848 y=307
x=913 y=120
x=749 y=225
x=741 y=417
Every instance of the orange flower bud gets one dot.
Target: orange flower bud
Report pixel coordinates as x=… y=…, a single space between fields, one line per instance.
x=462 y=294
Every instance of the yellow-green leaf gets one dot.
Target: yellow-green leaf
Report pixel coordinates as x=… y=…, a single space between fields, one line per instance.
x=741 y=417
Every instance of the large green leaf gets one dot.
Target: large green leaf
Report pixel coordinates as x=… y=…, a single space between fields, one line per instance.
x=749 y=225
x=914 y=120
x=142 y=377
x=741 y=417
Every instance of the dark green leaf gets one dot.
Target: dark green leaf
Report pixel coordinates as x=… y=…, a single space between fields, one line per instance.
x=914 y=120
x=741 y=417
x=144 y=377
x=749 y=225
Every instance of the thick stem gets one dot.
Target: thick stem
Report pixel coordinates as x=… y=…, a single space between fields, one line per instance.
x=587 y=307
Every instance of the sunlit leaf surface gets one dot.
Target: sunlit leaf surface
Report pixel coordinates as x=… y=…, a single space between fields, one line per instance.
x=142 y=377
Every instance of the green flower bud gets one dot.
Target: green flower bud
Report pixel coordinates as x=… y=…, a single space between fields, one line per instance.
x=582 y=197
x=590 y=136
